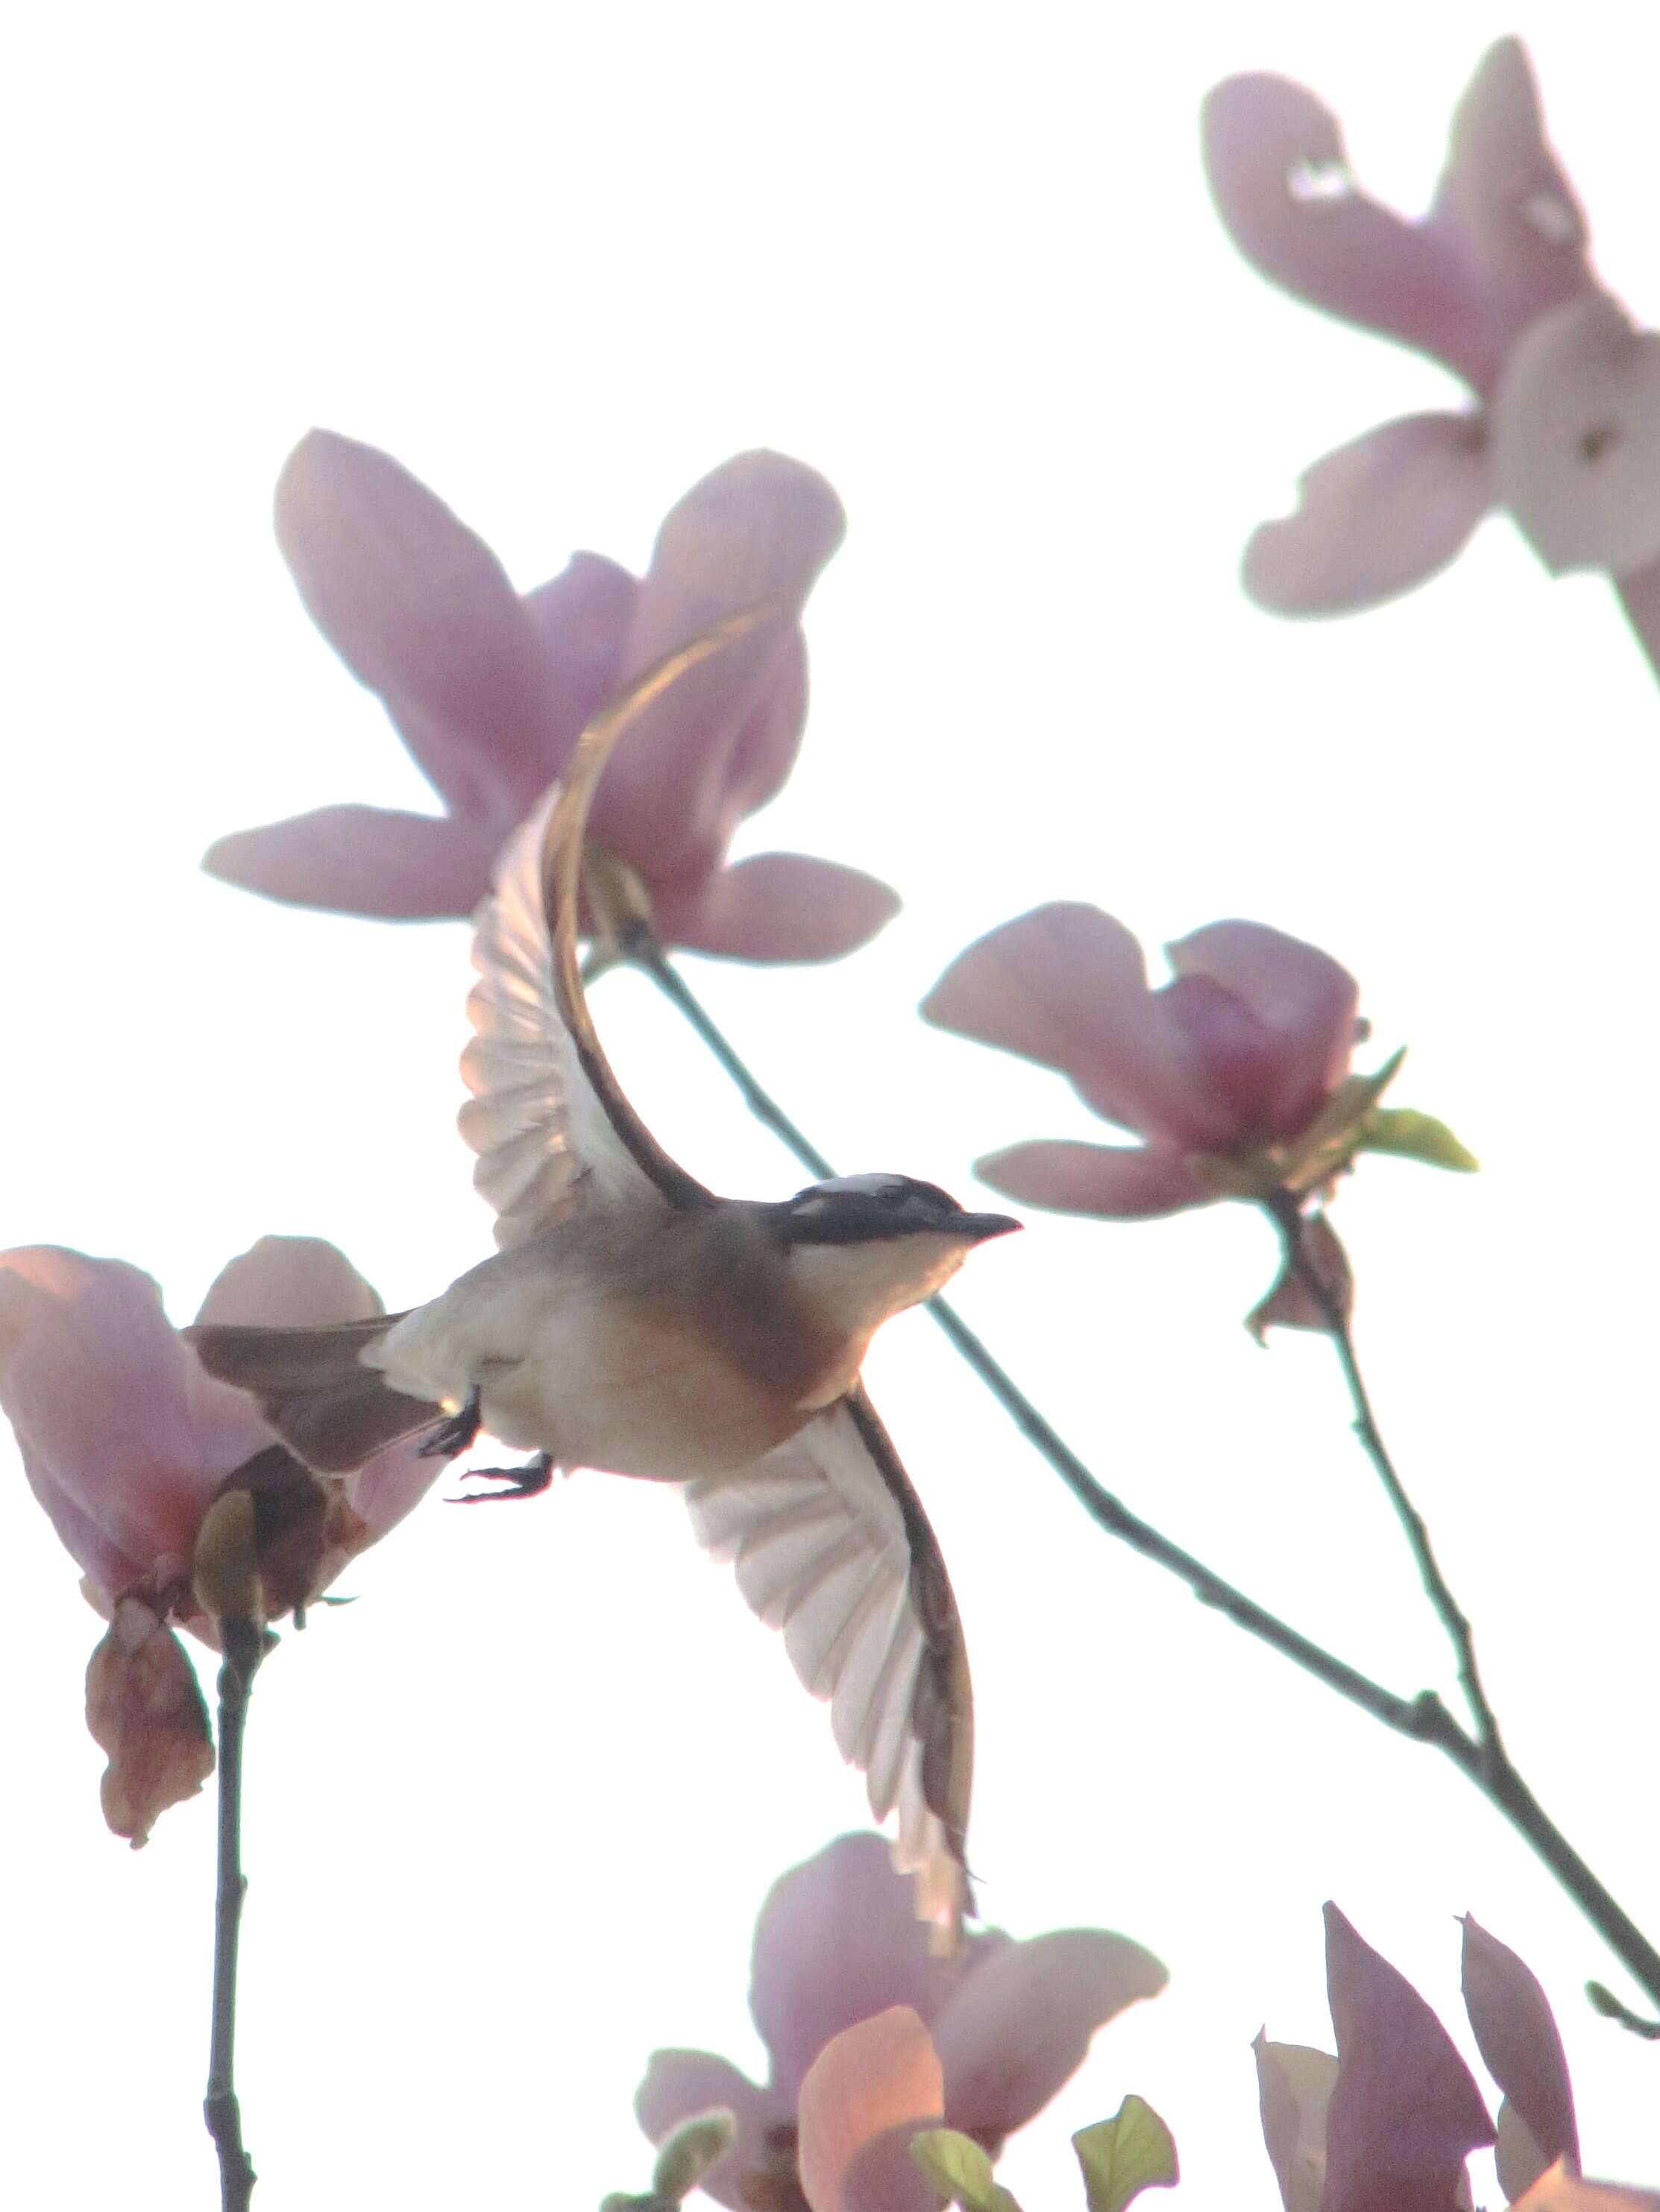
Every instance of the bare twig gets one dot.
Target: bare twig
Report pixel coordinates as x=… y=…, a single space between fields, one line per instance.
x=244 y=1646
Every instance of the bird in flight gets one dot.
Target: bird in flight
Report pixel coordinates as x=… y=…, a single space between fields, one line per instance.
x=633 y=1322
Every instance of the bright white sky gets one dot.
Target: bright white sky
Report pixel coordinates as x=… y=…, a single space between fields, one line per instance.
x=511 y=1814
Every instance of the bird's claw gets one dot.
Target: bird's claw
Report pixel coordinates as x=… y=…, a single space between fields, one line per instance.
x=527 y=1482
x=458 y=1434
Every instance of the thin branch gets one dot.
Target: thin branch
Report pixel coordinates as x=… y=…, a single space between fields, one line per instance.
x=244 y=1648
x=1480 y=1757
x=1286 y=1212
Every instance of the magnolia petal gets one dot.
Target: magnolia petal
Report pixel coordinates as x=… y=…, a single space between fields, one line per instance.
x=1019 y=2026
x=1278 y=172
x=1405 y=2114
x=1294 y=2084
x=1576 y=439
x=289 y=1282
x=867 y=2093
x=1504 y=202
x=1516 y=2035
x=145 y=1710
x=1066 y=986
x=1374 y=517
x=760 y=527
x=1301 y=995
x=367 y=861
x=1120 y=1182
x=1516 y=2157
x=581 y=618
x=1561 y=2190
x=418 y=606
x=1639 y=594
x=837 y=1941
x=94 y=1380
x=679 y=2084
x=777 y=906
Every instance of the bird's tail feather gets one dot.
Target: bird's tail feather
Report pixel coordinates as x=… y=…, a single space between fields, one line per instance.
x=312 y=1386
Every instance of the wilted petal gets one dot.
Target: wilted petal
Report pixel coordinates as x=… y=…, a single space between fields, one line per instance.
x=366 y=860
x=760 y=527
x=1278 y=171
x=1576 y=439
x=1294 y=2084
x=1066 y=986
x=1517 y=2038
x=776 y=906
x=1291 y=1303
x=1119 y=1181
x=144 y=1709
x=419 y=610
x=1020 y=2025
x=1405 y=2114
x=1300 y=995
x=1503 y=200
x=1561 y=2190
x=837 y=1939
x=679 y=2084
x=1374 y=518
x=93 y=1379
x=868 y=2092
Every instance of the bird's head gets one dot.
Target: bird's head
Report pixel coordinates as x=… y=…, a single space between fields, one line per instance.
x=864 y=1247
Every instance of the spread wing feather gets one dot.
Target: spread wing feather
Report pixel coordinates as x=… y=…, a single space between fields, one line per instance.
x=547 y=1118
x=830 y=1544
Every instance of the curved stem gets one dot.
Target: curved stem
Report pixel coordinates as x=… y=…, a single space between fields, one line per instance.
x=244 y=1648
x=1480 y=1756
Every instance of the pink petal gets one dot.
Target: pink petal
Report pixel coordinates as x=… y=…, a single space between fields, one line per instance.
x=1066 y=986
x=1121 y=1182
x=1405 y=2114
x=1020 y=2025
x=391 y=1484
x=1639 y=594
x=837 y=1939
x=93 y=1379
x=419 y=610
x=1300 y=995
x=759 y=527
x=777 y=906
x=1277 y=168
x=1375 y=518
x=866 y=2095
x=1561 y=2190
x=364 y=859
x=1294 y=2085
x=1576 y=439
x=581 y=618
x=1517 y=2038
x=1504 y=202
x=679 y=2084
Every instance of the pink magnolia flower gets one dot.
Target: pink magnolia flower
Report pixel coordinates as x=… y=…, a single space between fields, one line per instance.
x=489 y=691
x=1494 y=283
x=1242 y=1053
x=1393 y=2118
x=836 y=1945
x=127 y=1442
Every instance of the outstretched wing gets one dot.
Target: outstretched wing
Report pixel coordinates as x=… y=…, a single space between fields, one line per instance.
x=547 y=1118
x=831 y=1545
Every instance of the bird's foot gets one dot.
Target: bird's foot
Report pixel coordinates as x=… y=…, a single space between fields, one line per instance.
x=527 y=1482
x=458 y=1434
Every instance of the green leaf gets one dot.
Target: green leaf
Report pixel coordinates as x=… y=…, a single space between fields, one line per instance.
x=1120 y=2157
x=1415 y=1136
x=960 y=2171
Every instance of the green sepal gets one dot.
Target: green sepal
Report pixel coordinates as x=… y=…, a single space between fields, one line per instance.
x=686 y=2156
x=1120 y=2157
x=960 y=2171
x=1414 y=1136
x=1330 y=1140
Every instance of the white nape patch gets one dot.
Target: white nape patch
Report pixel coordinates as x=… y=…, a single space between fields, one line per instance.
x=855 y=1287
x=864 y=1186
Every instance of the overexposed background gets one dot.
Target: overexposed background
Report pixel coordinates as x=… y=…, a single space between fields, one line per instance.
x=511 y=1814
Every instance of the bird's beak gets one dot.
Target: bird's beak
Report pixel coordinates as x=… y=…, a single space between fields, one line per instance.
x=981 y=1227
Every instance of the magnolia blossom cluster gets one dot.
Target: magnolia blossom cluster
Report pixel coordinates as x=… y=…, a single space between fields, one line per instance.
x=1495 y=284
